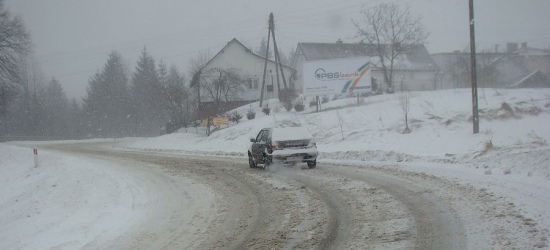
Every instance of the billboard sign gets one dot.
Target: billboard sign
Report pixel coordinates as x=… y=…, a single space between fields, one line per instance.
x=338 y=76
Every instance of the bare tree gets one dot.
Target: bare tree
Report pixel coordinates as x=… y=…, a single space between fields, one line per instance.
x=218 y=87
x=15 y=43
x=341 y=123
x=195 y=66
x=489 y=74
x=14 y=46
x=221 y=85
x=392 y=30
x=198 y=62
x=404 y=102
x=177 y=97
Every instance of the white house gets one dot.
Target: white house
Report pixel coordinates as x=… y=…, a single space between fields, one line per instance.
x=414 y=69
x=250 y=67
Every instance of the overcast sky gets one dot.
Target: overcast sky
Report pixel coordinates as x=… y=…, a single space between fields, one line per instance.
x=72 y=39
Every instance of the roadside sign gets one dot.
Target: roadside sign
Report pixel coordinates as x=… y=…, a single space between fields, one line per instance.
x=338 y=76
x=216 y=121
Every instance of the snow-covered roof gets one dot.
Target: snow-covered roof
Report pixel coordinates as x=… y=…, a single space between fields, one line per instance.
x=533 y=52
x=415 y=56
x=246 y=49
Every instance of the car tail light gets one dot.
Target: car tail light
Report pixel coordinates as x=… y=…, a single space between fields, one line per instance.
x=272 y=147
x=311 y=144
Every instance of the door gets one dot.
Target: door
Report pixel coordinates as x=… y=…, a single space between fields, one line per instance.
x=259 y=146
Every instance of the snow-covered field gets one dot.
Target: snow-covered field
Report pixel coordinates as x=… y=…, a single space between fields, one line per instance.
x=72 y=198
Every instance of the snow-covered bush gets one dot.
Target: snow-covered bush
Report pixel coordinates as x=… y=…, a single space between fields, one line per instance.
x=250 y=114
x=299 y=107
x=235 y=117
x=266 y=110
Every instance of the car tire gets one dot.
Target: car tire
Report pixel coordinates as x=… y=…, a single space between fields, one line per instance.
x=312 y=164
x=251 y=162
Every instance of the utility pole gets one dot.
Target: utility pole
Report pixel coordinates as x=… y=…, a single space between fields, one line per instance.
x=278 y=66
x=475 y=114
x=266 y=54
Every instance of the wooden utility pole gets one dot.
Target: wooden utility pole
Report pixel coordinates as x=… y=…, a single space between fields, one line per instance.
x=278 y=66
x=266 y=54
x=475 y=114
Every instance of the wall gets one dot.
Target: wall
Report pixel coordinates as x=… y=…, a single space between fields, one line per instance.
x=250 y=68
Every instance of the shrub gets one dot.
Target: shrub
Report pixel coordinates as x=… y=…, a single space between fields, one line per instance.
x=299 y=107
x=505 y=106
x=313 y=103
x=487 y=145
x=288 y=106
x=250 y=114
x=325 y=99
x=266 y=110
x=286 y=96
x=235 y=117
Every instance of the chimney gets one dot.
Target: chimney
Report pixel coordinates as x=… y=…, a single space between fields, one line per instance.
x=524 y=45
x=511 y=47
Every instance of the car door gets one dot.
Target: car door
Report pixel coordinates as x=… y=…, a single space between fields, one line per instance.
x=258 y=147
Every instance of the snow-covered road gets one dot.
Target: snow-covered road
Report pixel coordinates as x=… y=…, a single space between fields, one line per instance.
x=88 y=195
x=88 y=201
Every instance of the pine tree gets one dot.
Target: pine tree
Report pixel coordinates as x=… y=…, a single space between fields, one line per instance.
x=147 y=100
x=74 y=120
x=55 y=102
x=162 y=73
x=106 y=104
x=263 y=48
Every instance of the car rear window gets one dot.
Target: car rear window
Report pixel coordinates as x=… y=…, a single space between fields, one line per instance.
x=290 y=134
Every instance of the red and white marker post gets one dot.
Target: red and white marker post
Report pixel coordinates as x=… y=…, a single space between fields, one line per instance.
x=35 y=151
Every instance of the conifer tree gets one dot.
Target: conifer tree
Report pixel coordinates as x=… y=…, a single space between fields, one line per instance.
x=106 y=104
x=54 y=117
x=147 y=100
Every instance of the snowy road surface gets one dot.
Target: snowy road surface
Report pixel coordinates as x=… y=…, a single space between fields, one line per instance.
x=154 y=201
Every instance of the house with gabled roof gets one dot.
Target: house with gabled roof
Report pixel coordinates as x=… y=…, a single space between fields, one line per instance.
x=249 y=66
x=414 y=69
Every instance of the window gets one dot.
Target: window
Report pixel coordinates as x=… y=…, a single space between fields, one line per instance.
x=262 y=136
x=249 y=83
x=255 y=83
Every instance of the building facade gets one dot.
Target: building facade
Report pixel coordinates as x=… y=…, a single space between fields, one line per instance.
x=414 y=69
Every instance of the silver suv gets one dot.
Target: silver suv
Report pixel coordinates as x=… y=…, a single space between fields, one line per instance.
x=285 y=145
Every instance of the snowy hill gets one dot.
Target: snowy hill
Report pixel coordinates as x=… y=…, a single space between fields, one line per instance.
x=513 y=134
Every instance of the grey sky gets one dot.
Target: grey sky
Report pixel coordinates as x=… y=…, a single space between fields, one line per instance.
x=73 y=38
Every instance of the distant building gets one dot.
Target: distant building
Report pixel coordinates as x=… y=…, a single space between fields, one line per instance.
x=497 y=69
x=250 y=67
x=414 y=69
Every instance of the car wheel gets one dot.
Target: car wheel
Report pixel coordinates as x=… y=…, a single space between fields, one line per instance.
x=312 y=164
x=251 y=162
